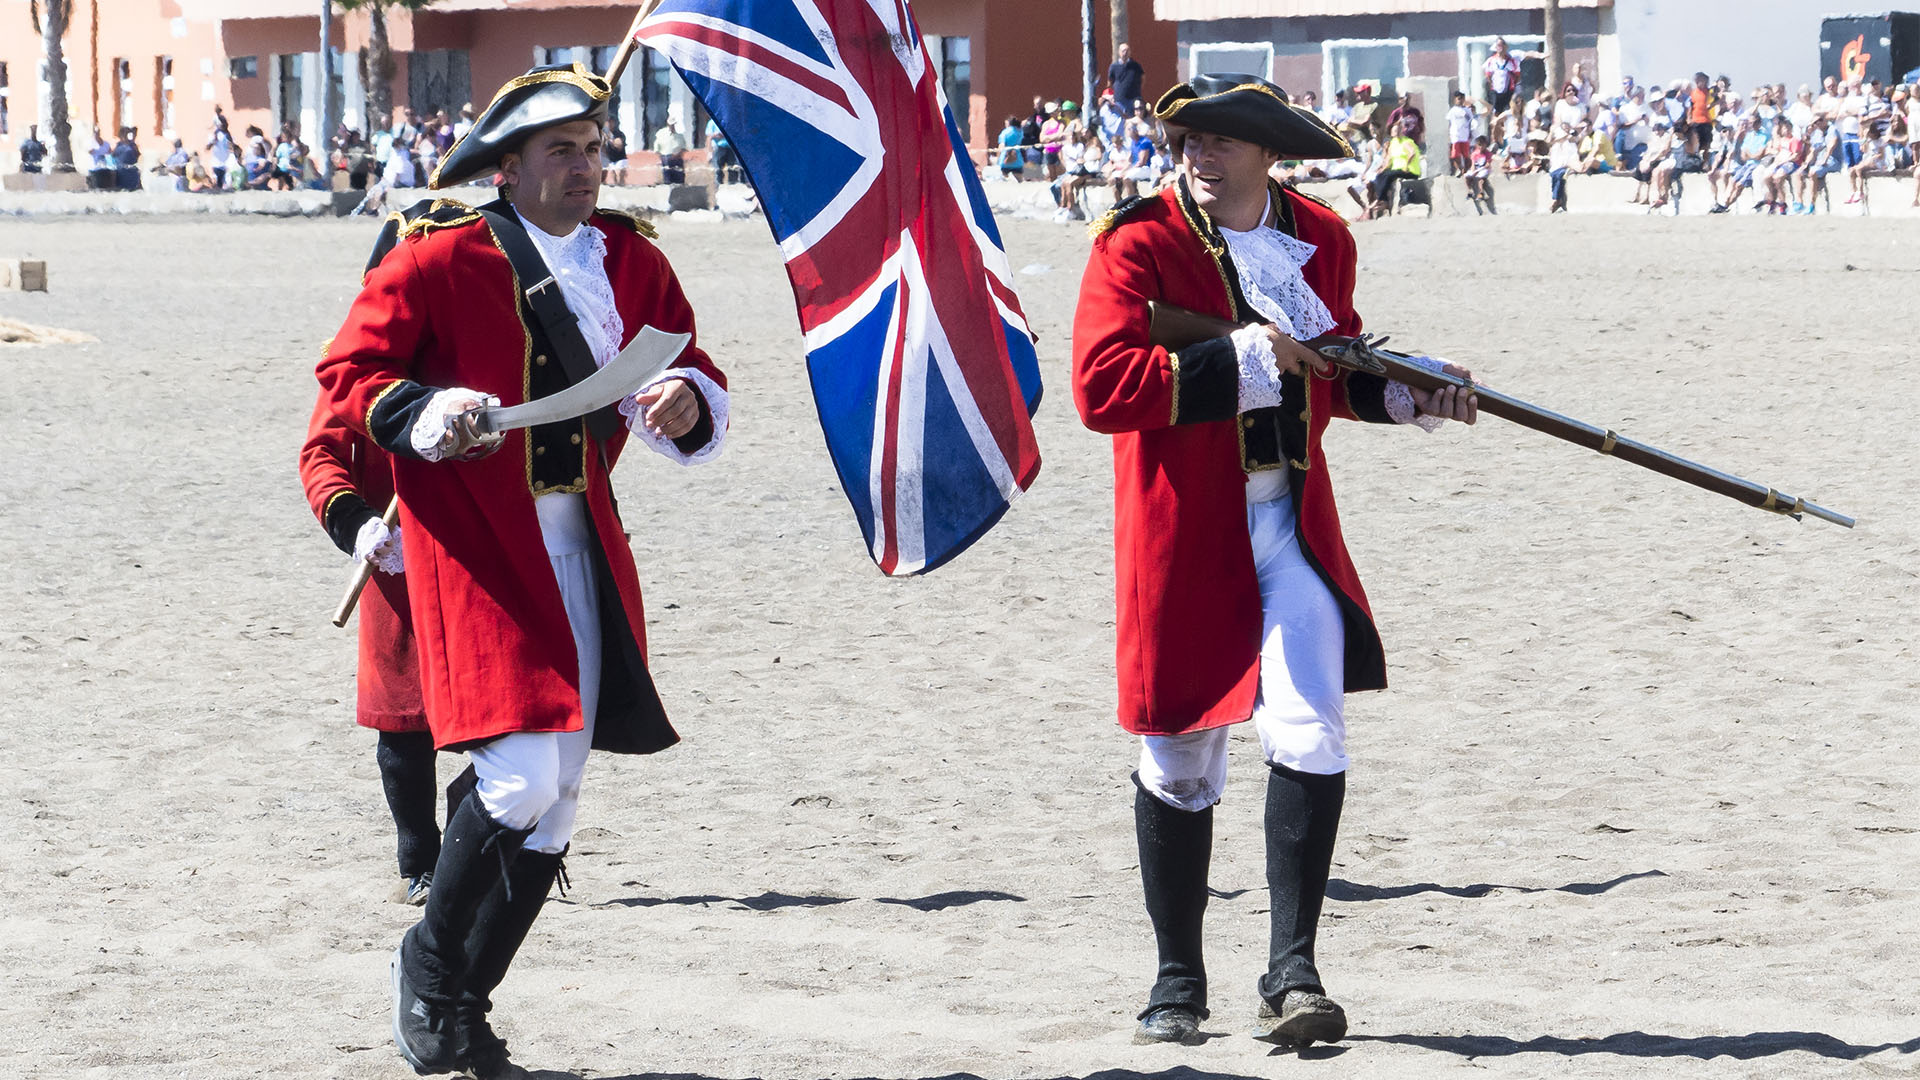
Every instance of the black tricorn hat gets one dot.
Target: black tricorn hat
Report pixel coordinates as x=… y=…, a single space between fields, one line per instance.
x=543 y=97
x=1251 y=109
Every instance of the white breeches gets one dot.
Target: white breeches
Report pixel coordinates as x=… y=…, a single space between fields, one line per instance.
x=531 y=779
x=1299 y=712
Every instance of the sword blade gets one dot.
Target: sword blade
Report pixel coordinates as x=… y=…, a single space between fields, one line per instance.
x=650 y=353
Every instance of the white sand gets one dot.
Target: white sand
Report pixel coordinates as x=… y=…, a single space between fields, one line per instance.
x=1640 y=803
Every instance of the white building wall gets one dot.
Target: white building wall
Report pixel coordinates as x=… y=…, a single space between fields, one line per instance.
x=1751 y=41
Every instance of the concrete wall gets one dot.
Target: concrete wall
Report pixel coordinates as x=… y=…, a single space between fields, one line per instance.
x=1765 y=42
x=1432 y=40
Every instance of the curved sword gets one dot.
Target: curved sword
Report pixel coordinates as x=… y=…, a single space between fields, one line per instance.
x=649 y=354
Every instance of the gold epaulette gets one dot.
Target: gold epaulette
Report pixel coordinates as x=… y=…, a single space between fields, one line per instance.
x=631 y=220
x=443 y=214
x=1313 y=198
x=1105 y=222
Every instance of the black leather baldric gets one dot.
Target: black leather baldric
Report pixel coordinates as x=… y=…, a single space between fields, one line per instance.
x=543 y=297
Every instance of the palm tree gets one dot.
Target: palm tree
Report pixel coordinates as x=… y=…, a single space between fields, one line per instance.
x=50 y=21
x=1117 y=9
x=1556 y=49
x=379 y=57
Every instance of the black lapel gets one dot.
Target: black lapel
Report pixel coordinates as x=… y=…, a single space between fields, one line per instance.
x=542 y=296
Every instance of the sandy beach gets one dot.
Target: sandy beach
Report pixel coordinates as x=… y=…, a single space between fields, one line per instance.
x=1639 y=803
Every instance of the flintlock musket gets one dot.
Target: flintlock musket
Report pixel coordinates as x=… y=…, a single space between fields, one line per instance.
x=1177 y=328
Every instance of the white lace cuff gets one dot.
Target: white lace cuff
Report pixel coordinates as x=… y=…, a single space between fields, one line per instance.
x=432 y=425
x=379 y=545
x=1399 y=399
x=716 y=399
x=1259 y=370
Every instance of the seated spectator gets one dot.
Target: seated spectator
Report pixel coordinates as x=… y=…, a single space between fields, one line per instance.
x=1403 y=163
x=101 y=174
x=1372 y=157
x=1823 y=160
x=671 y=145
x=199 y=180
x=1746 y=157
x=1563 y=154
x=126 y=160
x=1787 y=152
x=1656 y=164
x=1632 y=131
x=175 y=165
x=1012 y=164
x=1539 y=148
x=1080 y=161
x=32 y=151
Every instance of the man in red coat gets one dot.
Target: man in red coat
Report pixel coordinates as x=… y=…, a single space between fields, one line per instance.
x=346 y=476
x=1236 y=597
x=525 y=598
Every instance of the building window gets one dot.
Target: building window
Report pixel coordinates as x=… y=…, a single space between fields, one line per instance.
x=1231 y=57
x=1378 y=64
x=243 y=67
x=3 y=99
x=163 y=94
x=656 y=95
x=953 y=58
x=1473 y=52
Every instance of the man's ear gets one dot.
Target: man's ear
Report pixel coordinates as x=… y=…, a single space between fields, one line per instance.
x=510 y=167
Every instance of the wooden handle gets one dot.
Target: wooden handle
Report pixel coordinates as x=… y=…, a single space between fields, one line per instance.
x=625 y=54
x=363 y=573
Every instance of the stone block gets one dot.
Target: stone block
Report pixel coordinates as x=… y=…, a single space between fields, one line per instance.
x=689 y=197
x=23 y=275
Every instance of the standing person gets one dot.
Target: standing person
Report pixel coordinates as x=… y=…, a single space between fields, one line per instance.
x=346 y=476
x=1700 y=112
x=1236 y=597
x=1632 y=132
x=1500 y=76
x=1125 y=76
x=1460 y=120
x=524 y=593
x=671 y=145
x=1012 y=167
x=32 y=151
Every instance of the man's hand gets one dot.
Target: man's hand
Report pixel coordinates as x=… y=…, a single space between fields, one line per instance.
x=672 y=408
x=462 y=440
x=1448 y=402
x=1293 y=358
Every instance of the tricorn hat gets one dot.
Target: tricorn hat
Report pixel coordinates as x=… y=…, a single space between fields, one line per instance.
x=543 y=97
x=1251 y=109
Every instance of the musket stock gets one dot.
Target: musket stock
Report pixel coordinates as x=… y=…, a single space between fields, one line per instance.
x=1177 y=328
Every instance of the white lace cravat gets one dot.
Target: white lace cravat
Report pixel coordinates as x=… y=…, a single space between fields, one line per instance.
x=1269 y=263
x=578 y=261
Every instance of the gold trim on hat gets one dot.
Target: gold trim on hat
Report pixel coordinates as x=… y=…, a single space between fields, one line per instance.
x=596 y=88
x=1168 y=112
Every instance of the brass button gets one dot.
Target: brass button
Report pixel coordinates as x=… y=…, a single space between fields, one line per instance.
x=1306 y=414
x=538 y=450
x=576 y=439
x=539 y=485
x=580 y=480
x=1247 y=421
x=541 y=360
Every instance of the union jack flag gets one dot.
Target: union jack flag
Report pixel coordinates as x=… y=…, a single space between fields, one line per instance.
x=922 y=365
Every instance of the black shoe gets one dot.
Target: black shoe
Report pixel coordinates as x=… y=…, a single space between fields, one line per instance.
x=1305 y=1017
x=423 y=1032
x=414 y=890
x=1169 y=1024
x=485 y=1056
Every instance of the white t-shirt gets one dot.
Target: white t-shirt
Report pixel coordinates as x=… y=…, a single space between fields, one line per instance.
x=1566 y=112
x=1633 y=120
x=1799 y=114
x=1848 y=114
x=1460 y=124
x=1502 y=74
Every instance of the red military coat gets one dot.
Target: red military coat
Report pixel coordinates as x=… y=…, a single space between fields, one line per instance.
x=347 y=478
x=497 y=653
x=1189 y=621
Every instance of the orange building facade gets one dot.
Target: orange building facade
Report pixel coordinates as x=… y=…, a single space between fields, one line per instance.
x=162 y=66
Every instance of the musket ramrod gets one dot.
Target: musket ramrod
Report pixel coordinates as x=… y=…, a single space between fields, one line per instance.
x=1176 y=328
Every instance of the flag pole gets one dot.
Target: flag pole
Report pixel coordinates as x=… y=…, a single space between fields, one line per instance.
x=621 y=58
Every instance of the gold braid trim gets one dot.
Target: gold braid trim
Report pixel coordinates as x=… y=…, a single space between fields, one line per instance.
x=375 y=403
x=631 y=220
x=1173 y=365
x=461 y=214
x=595 y=86
x=327 y=507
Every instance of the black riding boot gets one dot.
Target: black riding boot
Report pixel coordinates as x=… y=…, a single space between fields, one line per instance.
x=1175 y=849
x=1303 y=817
x=498 y=929
x=430 y=966
x=406 y=761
